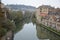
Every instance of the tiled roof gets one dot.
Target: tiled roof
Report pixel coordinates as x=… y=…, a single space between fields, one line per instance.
x=46 y=6
x=54 y=13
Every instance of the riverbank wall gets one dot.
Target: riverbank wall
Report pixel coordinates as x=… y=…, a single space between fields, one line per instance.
x=49 y=28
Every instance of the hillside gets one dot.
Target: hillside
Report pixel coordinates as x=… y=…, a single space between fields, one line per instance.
x=21 y=7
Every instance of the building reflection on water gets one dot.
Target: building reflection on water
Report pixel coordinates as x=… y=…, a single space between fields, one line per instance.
x=41 y=33
x=44 y=34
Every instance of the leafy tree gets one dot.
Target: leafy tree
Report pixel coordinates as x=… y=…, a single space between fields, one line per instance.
x=18 y=17
x=9 y=25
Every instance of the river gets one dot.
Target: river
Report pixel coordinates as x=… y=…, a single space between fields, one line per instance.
x=31 y=31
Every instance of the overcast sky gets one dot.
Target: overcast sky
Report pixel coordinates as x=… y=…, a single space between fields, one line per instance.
x=35 y=3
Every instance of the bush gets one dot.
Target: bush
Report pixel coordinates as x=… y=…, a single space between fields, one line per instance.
x=2 y=31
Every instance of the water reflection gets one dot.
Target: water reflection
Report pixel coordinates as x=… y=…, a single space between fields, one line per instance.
x=43 y=33
x=19 y=26
x=27 y=33
x=27 y=30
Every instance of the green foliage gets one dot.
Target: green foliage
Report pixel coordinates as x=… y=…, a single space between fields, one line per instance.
x=19 y=26
x=50 y=29
x=27 y=14
x=6 y=26
x=17 y=16
x=13 y=14
x=2 y=31
x=34 y=18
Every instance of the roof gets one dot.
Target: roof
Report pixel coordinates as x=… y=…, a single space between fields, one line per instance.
x=46 y=6
x=54 y=13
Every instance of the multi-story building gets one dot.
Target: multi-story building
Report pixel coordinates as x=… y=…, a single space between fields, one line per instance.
x=43 y=11
x=49 y=16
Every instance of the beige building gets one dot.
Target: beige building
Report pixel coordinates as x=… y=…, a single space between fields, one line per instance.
x=38 y=15
x=43 y=11
x=49 y=16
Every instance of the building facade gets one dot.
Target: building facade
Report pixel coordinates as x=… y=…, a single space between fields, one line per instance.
x=49 y=16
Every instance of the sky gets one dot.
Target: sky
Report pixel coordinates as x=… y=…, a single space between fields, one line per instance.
x=35 y=3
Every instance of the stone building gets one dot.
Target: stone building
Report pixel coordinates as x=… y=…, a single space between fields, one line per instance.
x=43 y=11
x=49 y=16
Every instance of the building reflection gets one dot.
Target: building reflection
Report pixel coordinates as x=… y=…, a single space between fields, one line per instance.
x=45 y=34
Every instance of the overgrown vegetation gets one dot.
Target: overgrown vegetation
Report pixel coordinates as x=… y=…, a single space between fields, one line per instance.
x=10 y=22
x=34 y=18
x=17 y=17
x=50 y=29
x=14 y=21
